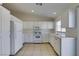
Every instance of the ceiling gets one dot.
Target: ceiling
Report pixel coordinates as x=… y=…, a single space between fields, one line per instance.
x=52 y=10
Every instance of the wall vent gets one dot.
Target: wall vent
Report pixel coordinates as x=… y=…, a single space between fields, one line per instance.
x=39 y=4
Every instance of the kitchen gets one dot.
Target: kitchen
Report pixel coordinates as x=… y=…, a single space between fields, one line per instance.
x=61 y=33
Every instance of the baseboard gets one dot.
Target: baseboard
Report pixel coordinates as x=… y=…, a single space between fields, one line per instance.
x=17 y=51
x=35 y=43
x=12 y=55
x=54 y=49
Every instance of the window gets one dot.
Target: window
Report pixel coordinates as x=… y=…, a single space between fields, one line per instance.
x=58 y=25
x=59 y=28
x=63 y=29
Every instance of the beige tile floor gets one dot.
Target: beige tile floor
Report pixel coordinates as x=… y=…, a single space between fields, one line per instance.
x=36 y=50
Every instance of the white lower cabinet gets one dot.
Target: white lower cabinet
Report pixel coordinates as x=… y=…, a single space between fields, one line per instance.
x=30 y=36
x=55 y=42
x=57 y=46
x=68 y=46
x=63 y=46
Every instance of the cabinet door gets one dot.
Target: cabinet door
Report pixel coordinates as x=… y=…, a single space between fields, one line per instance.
x=52 y=39
x=77 y=46
x=65 y=19
x=5 y=32
x=45 y=35
x=18 y=36
x=57 y=46
x=72 y=18
x=44 y=25
x=68 y=47
x=68 y=18
x=0 y=45
x=50 y=25
x=0 y=36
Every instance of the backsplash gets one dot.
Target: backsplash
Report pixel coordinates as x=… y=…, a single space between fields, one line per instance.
x=71 y=32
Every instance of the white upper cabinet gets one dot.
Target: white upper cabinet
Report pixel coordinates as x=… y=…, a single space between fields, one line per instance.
x=64 y=19
x=43 y=25
x=28 y=25
x=47 y=25
x=40 y=24
x=50 y=25
x=71 y=18
x=68 y=19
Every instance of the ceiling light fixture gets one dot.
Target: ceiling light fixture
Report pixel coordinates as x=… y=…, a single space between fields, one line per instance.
x=32 y=10
x=39 y=4
x=54 y=12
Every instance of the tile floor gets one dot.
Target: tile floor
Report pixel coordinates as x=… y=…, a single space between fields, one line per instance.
x=36 y=50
